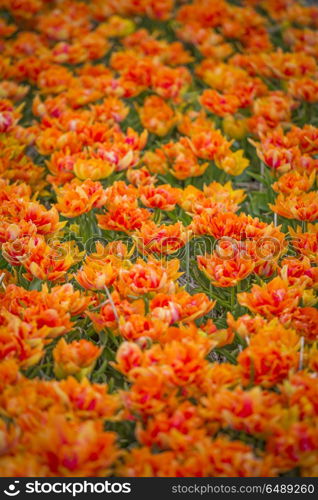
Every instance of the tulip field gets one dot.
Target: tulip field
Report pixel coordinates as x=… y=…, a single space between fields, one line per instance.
x=159 y=238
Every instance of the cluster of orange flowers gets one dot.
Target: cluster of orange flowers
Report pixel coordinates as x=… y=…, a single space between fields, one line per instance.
x=159 y=238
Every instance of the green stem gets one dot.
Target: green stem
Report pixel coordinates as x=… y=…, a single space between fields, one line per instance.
x=216 y=297
x=187 y=257
x=232 y=297
x=223 y=352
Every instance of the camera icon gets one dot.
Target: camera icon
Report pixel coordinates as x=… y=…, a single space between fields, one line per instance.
x=12 y=489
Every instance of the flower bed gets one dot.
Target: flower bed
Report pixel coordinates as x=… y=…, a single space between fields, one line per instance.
x=158 y=272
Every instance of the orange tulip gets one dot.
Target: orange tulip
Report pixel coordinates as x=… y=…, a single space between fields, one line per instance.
x=271 y=354
x=273 y=299
x=126 y=219
x=219 y=104
x=50 y=262
x=148 y=277
x=182 y=161
x=164 y=196
x=294 y=182
x=77 y=198
x=302 y=206
x=77 y=358
x=156 y=116
x=96 y=275
x=141 y=327
x=305 y=242
x=93 y=169
x=225 y=272
x=140 y=177
x=164 y=240
x=20 y=341
x=305 y=321
x=114 y=309
x=299 y=271
x=180 y=306
x=232 y=163
x=70 y=447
